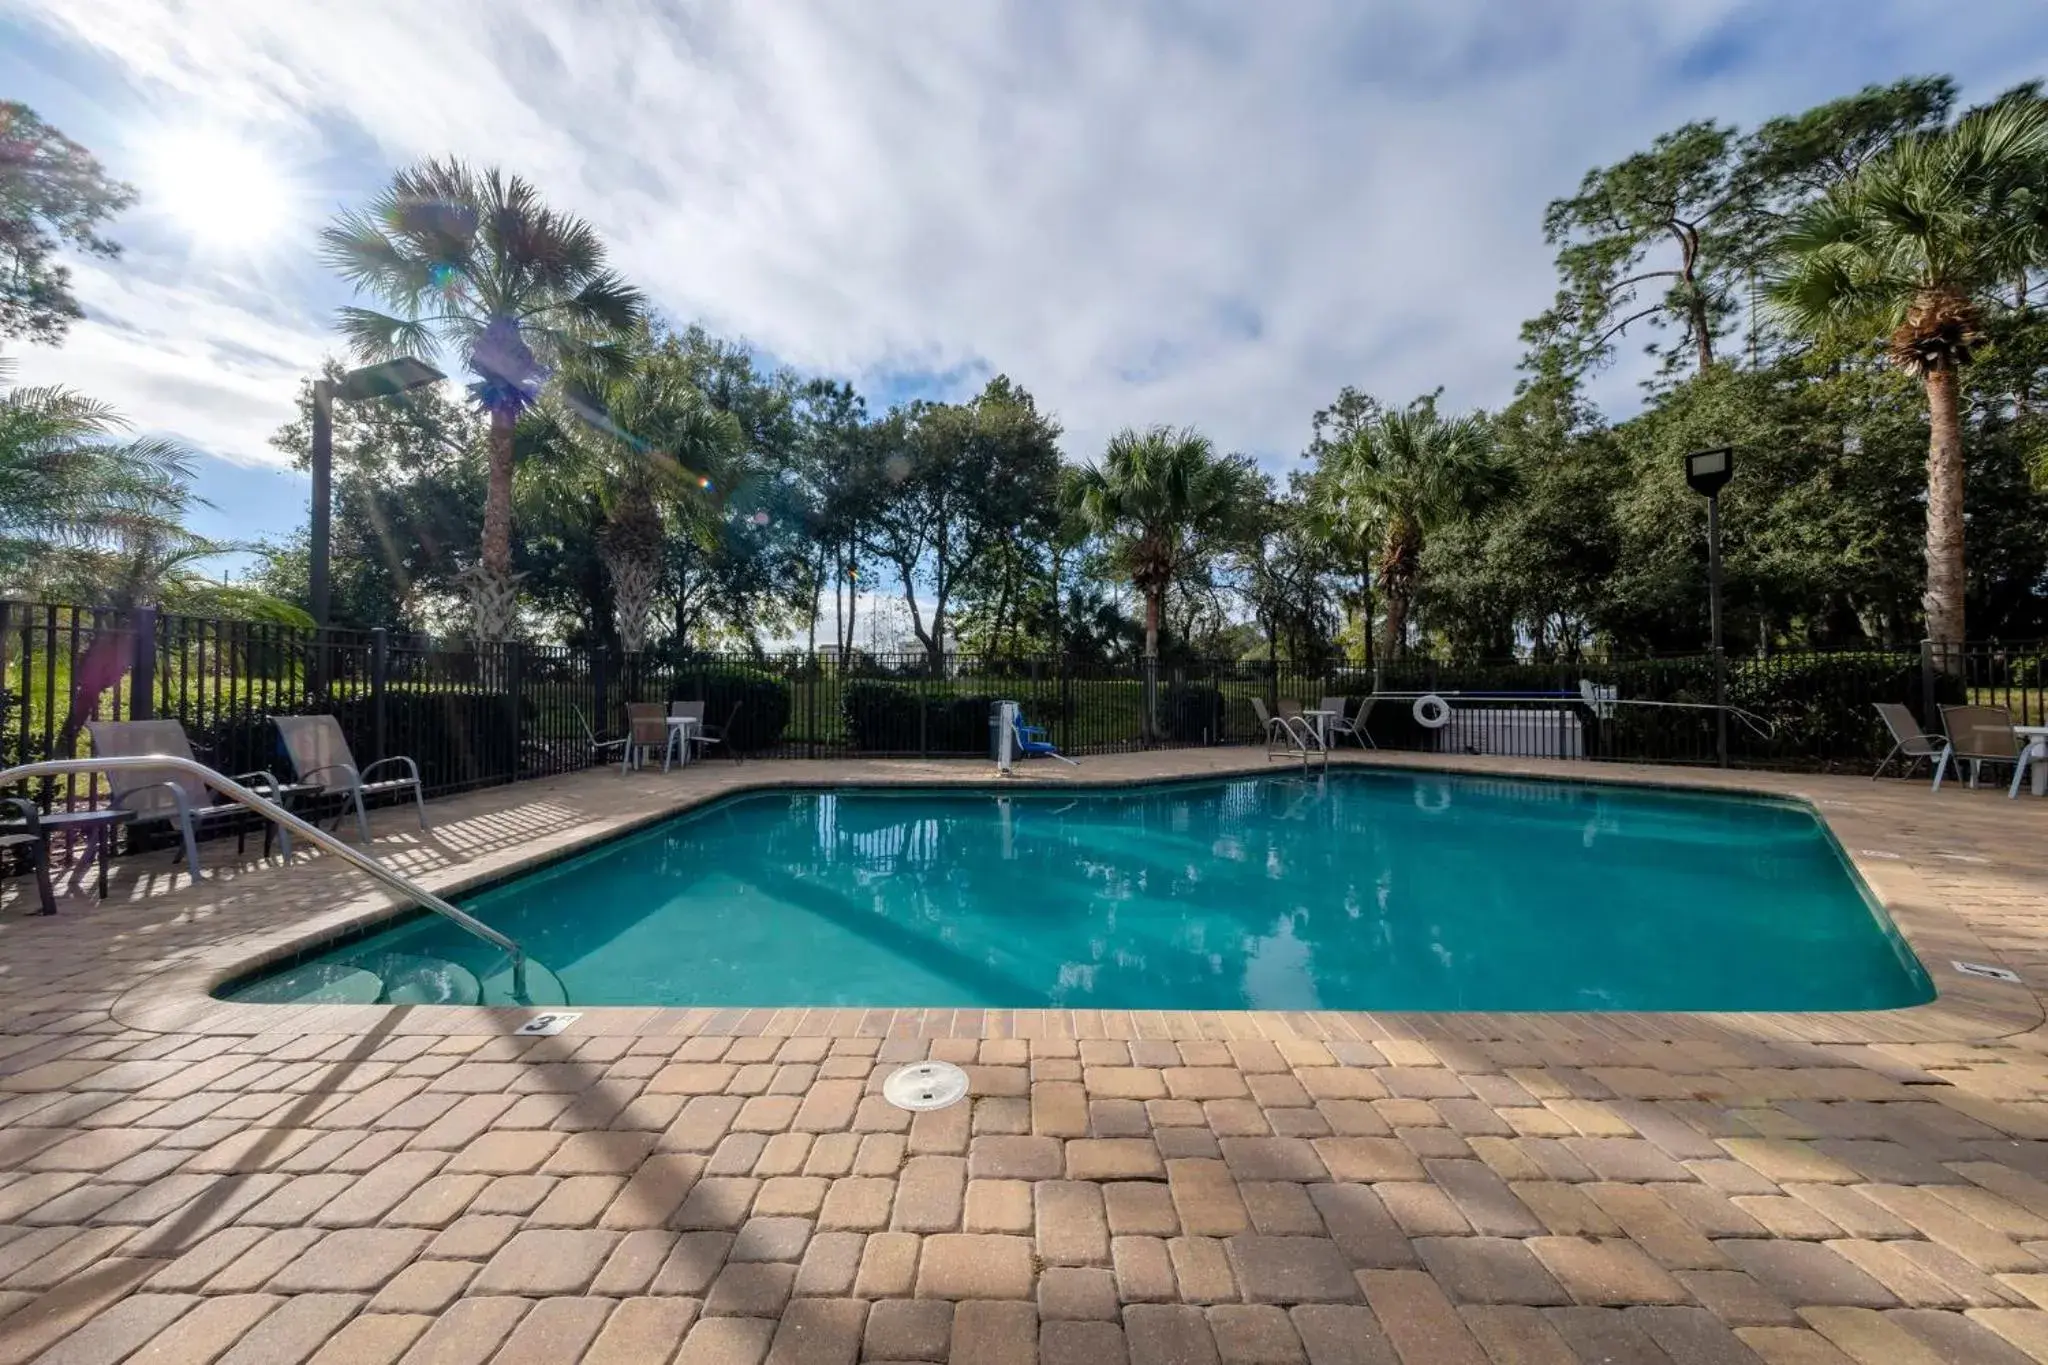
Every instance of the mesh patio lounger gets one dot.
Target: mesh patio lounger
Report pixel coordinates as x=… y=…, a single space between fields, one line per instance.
x=1977 y=735
x=1908 y=739
x=168 y=795
x=1340 y=727
x=320 y=755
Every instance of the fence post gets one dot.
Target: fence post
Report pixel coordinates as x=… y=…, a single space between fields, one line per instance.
x=515 y=682
x=380 y=675
x=1929 y=710
x=142 y=668
x=598 y=713
x=814 y=675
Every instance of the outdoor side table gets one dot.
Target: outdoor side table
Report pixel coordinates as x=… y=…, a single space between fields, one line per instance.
x=98 y=827
x=679 y=728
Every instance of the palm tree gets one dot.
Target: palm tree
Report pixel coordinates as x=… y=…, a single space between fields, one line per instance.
x=474 y=263
x=1160 y=497
x=1408 y=473
x=69 y=483
x=648 y=441
x=1330 y=512
x=1912 y=248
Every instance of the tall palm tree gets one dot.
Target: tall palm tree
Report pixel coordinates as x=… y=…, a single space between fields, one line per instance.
x=1912 y=248
x=473 y=263
x=1409 y=473
x=1161 y=498
x=1330 y=512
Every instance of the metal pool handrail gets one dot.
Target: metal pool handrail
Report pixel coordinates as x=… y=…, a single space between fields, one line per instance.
x=283 y=818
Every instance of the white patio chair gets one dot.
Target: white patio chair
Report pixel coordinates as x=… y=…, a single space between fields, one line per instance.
x=1291 y=732
x=1340 y=727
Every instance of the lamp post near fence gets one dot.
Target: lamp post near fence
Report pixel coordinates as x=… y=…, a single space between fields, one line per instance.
x=387 y=380
x=1707 y=472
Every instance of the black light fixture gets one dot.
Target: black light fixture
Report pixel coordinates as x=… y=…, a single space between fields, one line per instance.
x=385 y=380
x=1707 y=472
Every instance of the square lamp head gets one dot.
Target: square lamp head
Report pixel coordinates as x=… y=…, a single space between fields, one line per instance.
x=1708 y=471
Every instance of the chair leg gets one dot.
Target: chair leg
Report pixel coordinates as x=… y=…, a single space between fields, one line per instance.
x=1941 y=768
x=191 y=847
x=419 y=801
x=2019 y=770
x=46 y=890
x=362 y=817
x=1887 y=760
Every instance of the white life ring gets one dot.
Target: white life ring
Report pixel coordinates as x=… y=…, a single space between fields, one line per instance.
x=1431 y=712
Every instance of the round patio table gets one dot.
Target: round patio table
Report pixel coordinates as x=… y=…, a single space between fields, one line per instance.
x=679 y=728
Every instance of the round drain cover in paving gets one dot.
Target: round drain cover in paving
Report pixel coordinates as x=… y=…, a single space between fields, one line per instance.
x=925 y=1085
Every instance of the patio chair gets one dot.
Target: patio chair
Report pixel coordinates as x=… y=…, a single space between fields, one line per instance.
x=1977 y=735
x=1908 y=739
x=646 y=731
x=22 y=829
x=1290 y=731
x=599 y=749
x=320 y=757
x=1033 y=741
x=170 y=796
x=1340 y=727
x=704 y=736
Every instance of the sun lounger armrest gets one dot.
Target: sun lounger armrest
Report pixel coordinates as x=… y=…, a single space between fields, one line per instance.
x=264 y=784
x=27 y=813
x=412 y=769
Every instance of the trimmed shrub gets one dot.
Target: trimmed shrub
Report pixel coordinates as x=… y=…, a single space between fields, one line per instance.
x=762 y=696
x=1191 y=712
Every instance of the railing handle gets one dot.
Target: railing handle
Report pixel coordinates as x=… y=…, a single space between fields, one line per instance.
x=284 y=819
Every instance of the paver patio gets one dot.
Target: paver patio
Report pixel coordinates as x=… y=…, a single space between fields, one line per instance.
x=184 y=1180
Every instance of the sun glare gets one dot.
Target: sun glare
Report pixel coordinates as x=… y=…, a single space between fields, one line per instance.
x=227 y=192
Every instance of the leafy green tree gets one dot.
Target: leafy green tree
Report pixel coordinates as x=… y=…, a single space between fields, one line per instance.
x=53 y=195
x=410 y=475
x=1914 y=248
x=472 y=262
x=1650 y=238
x=945 y=484
x=1411 y=473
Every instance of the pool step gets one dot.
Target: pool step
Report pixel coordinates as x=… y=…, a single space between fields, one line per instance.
x=414 y=979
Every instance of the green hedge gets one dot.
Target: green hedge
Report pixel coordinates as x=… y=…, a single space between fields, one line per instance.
x=762 y=698
x=893 y=717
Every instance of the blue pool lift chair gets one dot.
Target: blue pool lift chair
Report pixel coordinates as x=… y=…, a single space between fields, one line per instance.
x=1032 y=742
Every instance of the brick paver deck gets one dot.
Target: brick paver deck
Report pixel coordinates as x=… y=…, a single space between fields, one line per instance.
x=182 y=1180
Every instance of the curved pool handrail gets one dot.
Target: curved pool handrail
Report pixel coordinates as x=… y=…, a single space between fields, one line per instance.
x=284 y=819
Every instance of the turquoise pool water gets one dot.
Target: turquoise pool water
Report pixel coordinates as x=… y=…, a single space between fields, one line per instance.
x=1357 y=890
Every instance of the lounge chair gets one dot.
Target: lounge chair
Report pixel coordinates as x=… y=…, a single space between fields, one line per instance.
x=1340 y=727
x=320 y=757
x=22 y=829
x=1290 y=731
x=1033 y=741
x=1977 y=735
x=704 y=736
x=646 y=731
x=599 y=750
x=1908 y=739
x=167 y=795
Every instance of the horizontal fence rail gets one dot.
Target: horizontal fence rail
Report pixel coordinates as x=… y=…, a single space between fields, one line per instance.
x=478 y=715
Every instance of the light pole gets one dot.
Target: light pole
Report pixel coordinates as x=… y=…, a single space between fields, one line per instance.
x=1708 y=472
x=372 y=381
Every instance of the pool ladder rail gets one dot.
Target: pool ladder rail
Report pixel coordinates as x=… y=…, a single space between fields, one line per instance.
x=284 y=819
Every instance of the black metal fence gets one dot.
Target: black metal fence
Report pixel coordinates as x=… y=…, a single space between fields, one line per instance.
x=478 y=715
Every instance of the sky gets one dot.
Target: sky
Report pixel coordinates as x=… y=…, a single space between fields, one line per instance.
x=1214 y=214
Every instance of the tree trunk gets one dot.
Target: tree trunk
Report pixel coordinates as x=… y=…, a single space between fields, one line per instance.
x=1154 y=606
x=1945 y=570
x=498 y=496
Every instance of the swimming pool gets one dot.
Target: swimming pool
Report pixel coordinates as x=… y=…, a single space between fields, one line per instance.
x=1379 y=890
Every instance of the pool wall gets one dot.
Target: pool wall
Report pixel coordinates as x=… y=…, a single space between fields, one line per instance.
x=565 y=815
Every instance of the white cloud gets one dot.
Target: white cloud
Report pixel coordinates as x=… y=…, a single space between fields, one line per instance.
x=1214 y=214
